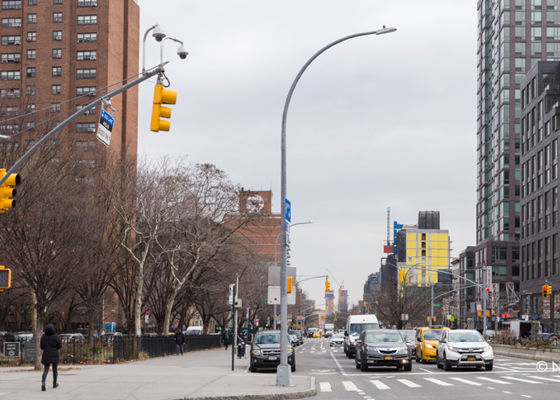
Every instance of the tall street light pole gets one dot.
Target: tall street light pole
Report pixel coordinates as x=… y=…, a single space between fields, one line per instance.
x=283 y=373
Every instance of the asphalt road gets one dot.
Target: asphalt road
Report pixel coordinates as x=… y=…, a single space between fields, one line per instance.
x=337 y=378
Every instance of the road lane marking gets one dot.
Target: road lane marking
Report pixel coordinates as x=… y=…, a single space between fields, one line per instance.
x=524 y=395
x=408 y=383
x=494 y=380
x=507 y=392
x=325 y=386
x=380 y=385
x=519 y=379
x=467 y=381
x=545 y=379
x=438 y=382
x=430 y=372
x=349 y=386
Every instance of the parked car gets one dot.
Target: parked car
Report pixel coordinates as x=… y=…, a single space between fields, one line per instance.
x=382 y=348
x=294 y=341
x=194 y=330
x=265 y=351
x=337 y=339
x=464 y=348
x=298 y=333
x=109 y=336
x=69 y=337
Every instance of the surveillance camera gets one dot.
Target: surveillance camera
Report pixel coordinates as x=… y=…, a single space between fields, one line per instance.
x=182 y=52
x=159 y=33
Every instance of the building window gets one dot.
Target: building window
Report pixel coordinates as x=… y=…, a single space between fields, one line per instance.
x=57 y=53
x=56 y=71
x=11 y=58
x=82 y=91
x=9 y=111
x=57 y=35
x=31 y=18
x=88 y=112
x=11 y=40
x=87 y=37
x=29 y=108
x=87 y=3
x=9 y=94
x=10 y=75
x=30 y=90
x=11 y=128
x=86 y=55
x=11 y=22
x=55 y=107
x=57 y=1
x=85 y=127
x=86 y=73
x=56 y=89
x=30 y=125
x=87 y=163
x=31 y=54
x=11 y=5
x=57 y=17
x=31 y=36
x=87 y=19
x=86 y=145
x=31 y=2
x=31 y=72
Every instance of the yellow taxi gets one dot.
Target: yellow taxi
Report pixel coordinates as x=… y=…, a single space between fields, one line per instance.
x=426 y=342
x=317 y=334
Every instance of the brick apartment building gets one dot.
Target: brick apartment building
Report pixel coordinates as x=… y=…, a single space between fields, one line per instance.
x=55 y=54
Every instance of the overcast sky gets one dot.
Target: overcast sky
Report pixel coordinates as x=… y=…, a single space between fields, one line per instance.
x=375 y=122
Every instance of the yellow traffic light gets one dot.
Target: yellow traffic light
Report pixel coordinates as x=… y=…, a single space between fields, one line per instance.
x=549 y=290
x=162 y=96
x=326 y=308
x=364 y=303
x=487 y=313
x=545 y=291
x=5 y=278
x=327 y=286
x=289 y=284
x=401 y=276
x=7 y=191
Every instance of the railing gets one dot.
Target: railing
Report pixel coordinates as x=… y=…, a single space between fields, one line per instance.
x=115 y=349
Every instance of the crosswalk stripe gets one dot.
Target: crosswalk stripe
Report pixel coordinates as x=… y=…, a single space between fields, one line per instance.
x=438 y=382
x=380 y=385
x=325 y=386
x=519 y=379
x=408 y=383
x=494 y=380
x=545 y=379
x=349 y=386
x=467 y=381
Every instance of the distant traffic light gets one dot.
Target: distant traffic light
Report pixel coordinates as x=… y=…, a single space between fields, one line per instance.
x=545 y=291
x=7 y=191
x=549 y=290
x=162 y=96
x=5 y=278
x=327 y=286
x=401 y=276
x=289 y=284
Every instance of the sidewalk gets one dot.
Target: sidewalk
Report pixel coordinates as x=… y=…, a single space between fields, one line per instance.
x=200 y=375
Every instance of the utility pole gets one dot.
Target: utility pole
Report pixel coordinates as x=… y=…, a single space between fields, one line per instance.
x=484 y=301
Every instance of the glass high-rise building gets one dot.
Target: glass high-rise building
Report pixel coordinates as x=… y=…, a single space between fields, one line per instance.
x=512 y=36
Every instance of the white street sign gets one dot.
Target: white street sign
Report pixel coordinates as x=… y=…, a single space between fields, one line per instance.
x=105 y=128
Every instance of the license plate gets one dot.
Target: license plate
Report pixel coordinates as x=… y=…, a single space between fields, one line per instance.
x=272 y=358
x=471 y=358
x=388 y=358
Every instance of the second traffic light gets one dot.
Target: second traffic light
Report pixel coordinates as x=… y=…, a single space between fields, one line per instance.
x=162 y=96
x=7 y=191
x=327 y=286
x=5 y=278
x=289 y=284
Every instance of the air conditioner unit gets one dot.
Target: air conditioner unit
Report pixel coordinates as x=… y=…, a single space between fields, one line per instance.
x=80 y=40
x=91 y=130
x=57 y=38
x=93 y=57
x=17 y=43
x=17 y=60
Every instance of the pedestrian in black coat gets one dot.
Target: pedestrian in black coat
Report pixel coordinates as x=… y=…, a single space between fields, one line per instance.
x=179 y=341
x=50 y=344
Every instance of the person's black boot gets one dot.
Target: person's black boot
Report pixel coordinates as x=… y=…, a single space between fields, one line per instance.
x=55 y=385
x=43 y=388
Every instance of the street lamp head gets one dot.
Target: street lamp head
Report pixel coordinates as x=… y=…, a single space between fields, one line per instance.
x=385 y=30
x=159 y=33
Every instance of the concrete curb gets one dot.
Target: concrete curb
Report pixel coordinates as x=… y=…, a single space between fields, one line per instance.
x=528 y=354
x=312 y=391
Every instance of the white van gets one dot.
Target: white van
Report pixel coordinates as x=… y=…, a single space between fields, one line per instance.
x=355 y=325
x=194 y=330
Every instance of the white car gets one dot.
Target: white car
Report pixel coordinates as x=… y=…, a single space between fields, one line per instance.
x=464 y=348
x=337 y=339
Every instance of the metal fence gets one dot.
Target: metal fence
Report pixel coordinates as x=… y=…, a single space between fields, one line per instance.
x=114 y=350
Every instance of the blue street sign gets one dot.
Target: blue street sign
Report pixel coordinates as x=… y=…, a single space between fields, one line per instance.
x=105 y=128
x=111 y=326
x=288 y=210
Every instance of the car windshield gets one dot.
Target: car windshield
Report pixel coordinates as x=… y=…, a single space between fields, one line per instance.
x=338 y=336
x=433 y=335
x=404 y=332
x=356 y=329
x=383 y=338
x=465 y=337
x=270 y=338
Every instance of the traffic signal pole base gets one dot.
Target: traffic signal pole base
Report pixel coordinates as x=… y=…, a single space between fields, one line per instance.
x=284 y=375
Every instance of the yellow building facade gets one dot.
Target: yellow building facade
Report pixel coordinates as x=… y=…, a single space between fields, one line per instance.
x=428 y=249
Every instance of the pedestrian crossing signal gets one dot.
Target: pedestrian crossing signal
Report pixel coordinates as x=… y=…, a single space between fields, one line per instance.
x=5 y=278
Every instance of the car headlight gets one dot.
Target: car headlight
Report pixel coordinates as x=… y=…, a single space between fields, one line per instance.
x=352 y=342
x=257 y=352
x=374 y=349
x=451 y=348
x=488 y=348
x=291 y=350
x=403 y=350
x=429 y=346
x=366 y=348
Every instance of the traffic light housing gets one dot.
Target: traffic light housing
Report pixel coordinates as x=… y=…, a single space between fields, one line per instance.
x=162 y=96
x=401 y=276
x=5 y=278
x=549 y=290
x=7 y=191
x=327 y=286
x=545 y=291
x=289 y=287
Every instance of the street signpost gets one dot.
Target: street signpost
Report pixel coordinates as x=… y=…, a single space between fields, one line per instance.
x=11 y=349
x=105 y=128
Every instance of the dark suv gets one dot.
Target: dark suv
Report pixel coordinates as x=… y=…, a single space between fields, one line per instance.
x=265 y=351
